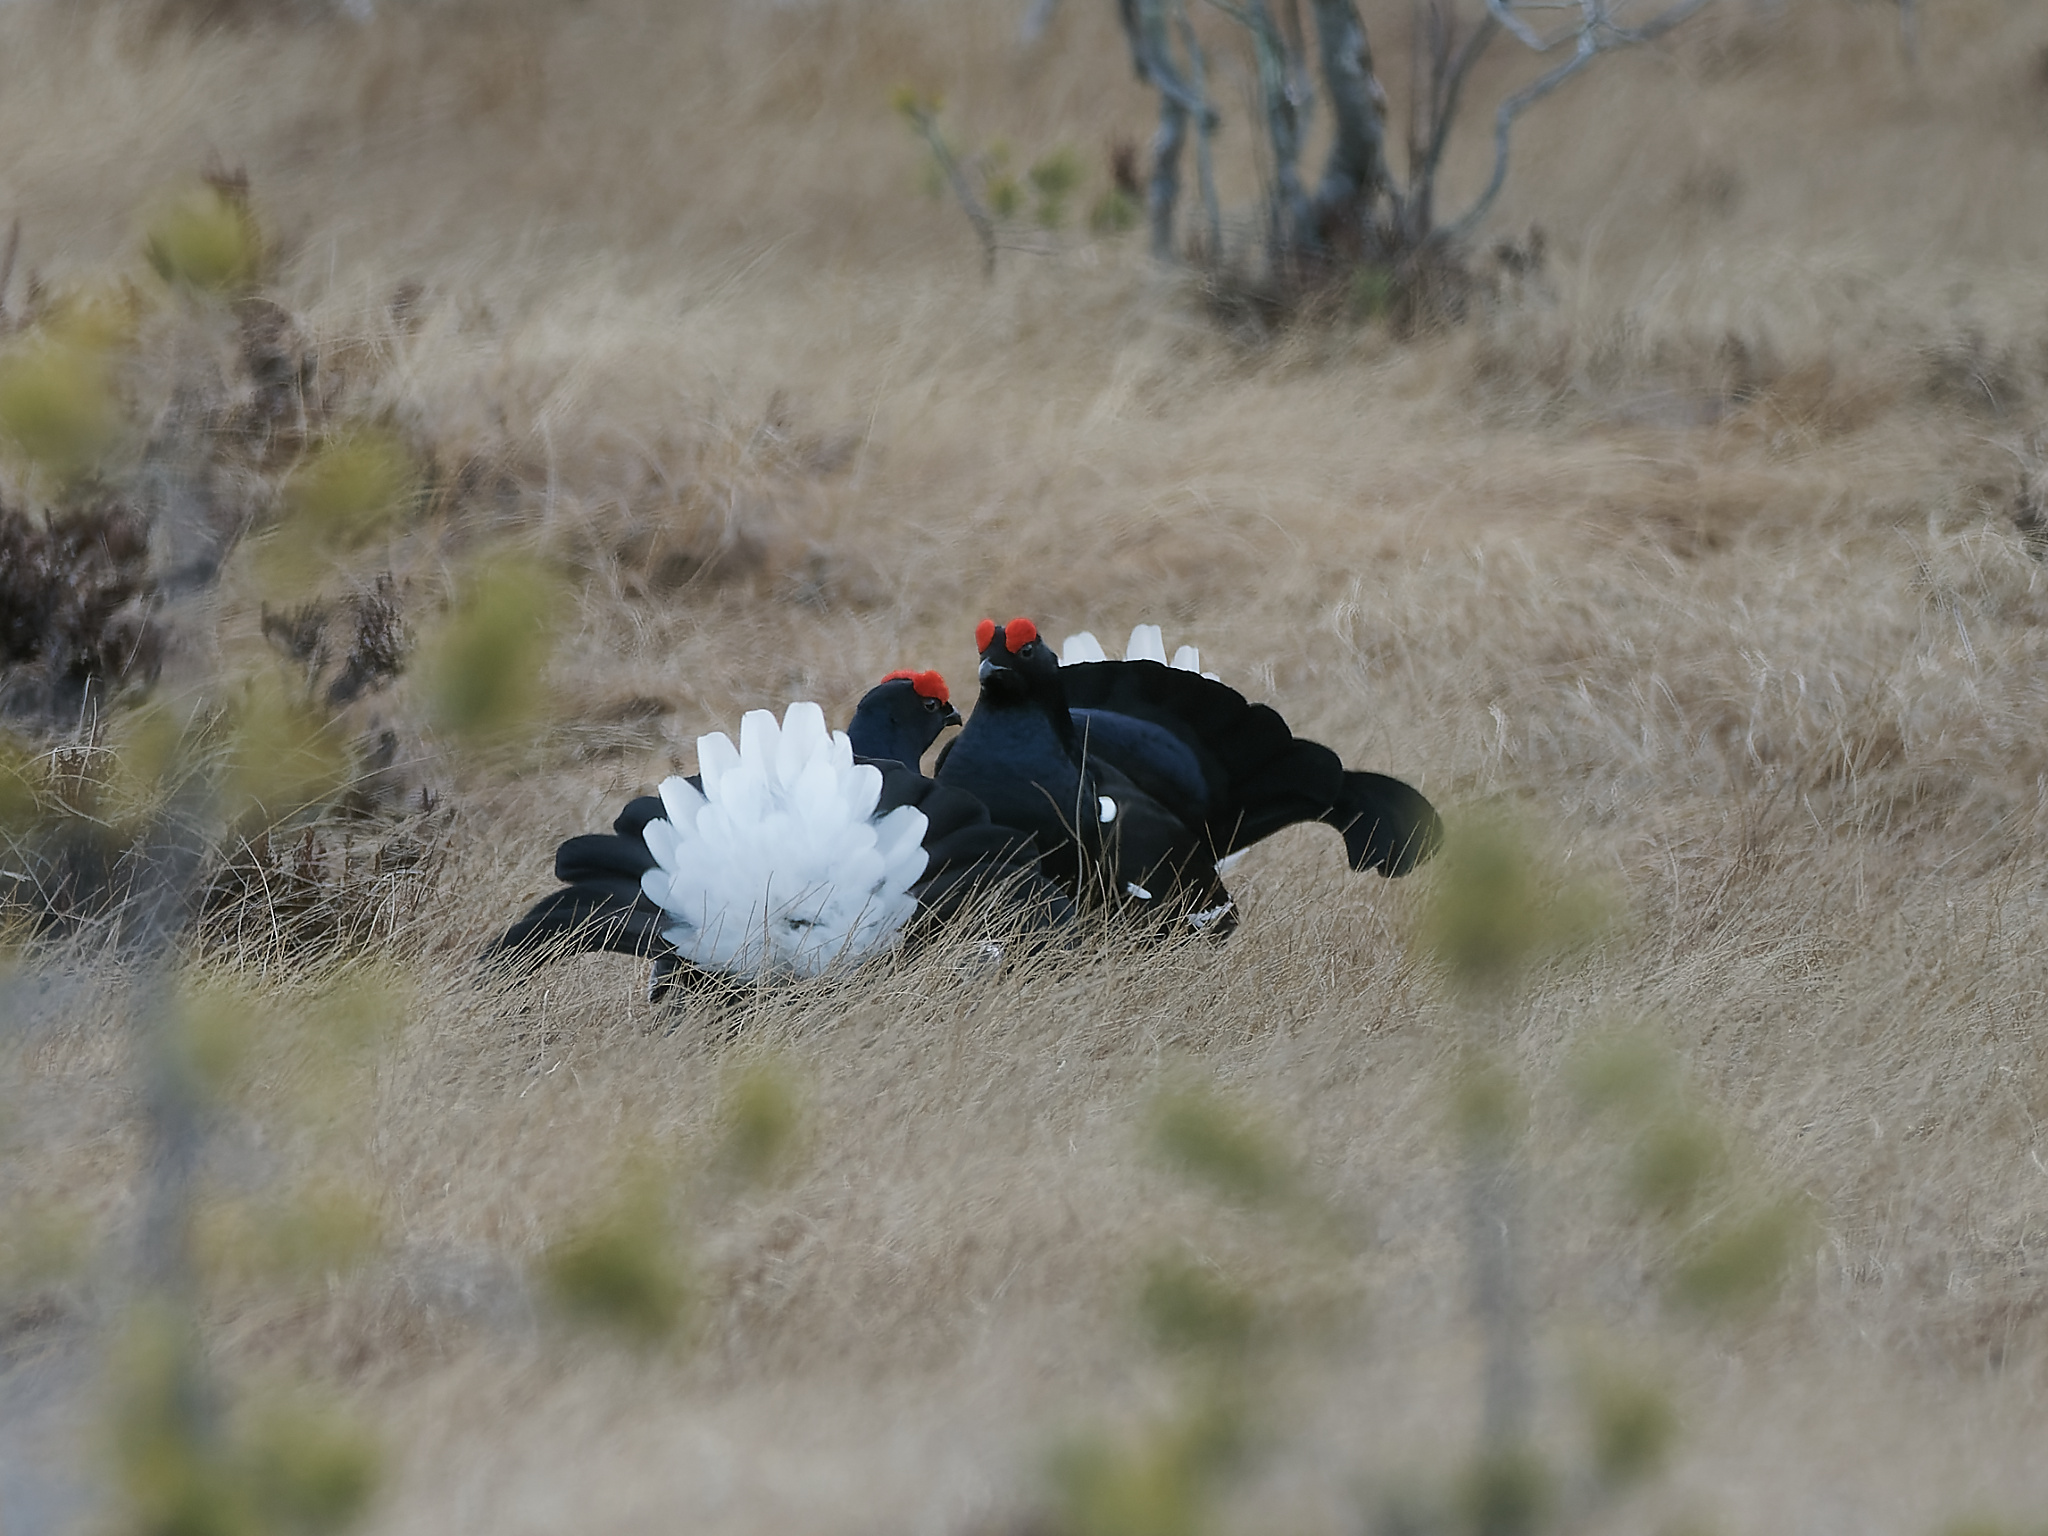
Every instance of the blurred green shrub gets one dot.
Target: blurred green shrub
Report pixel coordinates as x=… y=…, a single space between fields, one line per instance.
x=207 y=238
x=760 y=1120
x=620 y=1271
x=1490 y=916
x=311 y=1470
x=1189 y=1309
x=1054 y=177
x=991 y=193
x=1730 y=1233
x=1115 y=212
x=1160 y=1481
x=483 y=667
x=346 y=494
x=59 y=409
x=284 y=1469
x=1631 y=1422
x=1217 y=1144
x=1739 y=1258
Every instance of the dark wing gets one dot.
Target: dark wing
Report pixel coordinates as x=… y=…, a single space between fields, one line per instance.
x=1259 y=775
x=969 y=854
x=601 y=907
x=586 y=918
x=1166 y=865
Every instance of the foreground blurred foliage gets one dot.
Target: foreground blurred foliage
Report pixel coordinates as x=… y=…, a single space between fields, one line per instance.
x=1161 y=1481
x=145 y=806
x=187 y=1469
x=625 y=1267
x=348 y=492
x=1719 y=1234
x=207 y=238
x=761 y=1122
x=60 y=414
x=482 y=668
x=622 y=1268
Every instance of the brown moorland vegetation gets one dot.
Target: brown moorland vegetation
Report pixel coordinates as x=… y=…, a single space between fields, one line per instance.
x=1710 y=549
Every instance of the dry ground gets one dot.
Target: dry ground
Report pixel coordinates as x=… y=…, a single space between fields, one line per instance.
x=1704 y=547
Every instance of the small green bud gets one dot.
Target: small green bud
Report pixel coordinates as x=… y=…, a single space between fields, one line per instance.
x=1212 y=1142
x=207 y=238
x=483 y=669
x=761 y=1116
x=1741 y=1256
x=58 y=406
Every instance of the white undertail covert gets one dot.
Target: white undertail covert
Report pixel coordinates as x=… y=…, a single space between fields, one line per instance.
x=781 y=868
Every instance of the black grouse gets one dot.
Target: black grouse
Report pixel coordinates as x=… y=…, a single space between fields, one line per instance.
x=1182 y=770
x=1102 y=833
x=1144 y=721
x=780 y=858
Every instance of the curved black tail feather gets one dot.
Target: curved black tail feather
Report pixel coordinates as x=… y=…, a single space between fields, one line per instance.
x=1387 y=825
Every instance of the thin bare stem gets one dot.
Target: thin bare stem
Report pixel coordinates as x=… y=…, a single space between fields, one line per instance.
x=7 y=268
x=927 y=127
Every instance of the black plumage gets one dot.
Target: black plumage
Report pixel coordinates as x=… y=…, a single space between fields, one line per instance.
x=602 y=906
x=1197 y=773
x=1101 y=832
x=1255 y=775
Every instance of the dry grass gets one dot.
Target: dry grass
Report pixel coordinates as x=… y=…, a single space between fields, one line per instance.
x=1699 y=546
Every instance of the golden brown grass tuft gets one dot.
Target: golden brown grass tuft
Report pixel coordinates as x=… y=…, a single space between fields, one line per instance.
x=1711 y=545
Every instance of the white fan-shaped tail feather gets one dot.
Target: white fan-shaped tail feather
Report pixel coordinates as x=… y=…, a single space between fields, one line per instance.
x=1147 y=643
x=781 y=867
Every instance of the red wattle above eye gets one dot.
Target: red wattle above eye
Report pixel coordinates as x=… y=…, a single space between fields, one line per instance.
x=1019 y=633
x=926 y=685
x=984 y=632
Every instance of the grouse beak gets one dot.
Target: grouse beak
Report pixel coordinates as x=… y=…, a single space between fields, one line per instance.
x=950 y=717
x=990 y=669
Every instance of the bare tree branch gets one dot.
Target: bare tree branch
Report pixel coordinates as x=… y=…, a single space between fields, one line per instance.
x=927 y=127
x=1422 y=177
x=1036 y=20
x=1145 y=29
x=1205 y=170
x=1285 y=93
x=1356 y=175
x=1597 y=36
x=7 y=266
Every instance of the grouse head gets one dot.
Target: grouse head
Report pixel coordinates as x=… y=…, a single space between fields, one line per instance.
x=901 y=716
x=1017 y=667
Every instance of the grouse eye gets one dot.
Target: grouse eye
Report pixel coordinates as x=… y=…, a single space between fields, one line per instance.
x=1029 y=648
x=931 y=706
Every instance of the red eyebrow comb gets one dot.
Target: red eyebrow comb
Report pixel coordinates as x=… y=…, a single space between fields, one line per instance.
x=927 y=685
x=984 y=632
x=1019 y=633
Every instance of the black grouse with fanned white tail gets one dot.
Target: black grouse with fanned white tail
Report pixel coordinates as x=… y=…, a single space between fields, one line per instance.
x=796 y=853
